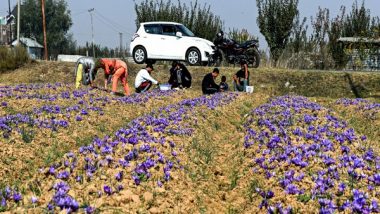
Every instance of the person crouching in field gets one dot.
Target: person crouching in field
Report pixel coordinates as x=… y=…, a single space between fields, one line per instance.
x=144 y=80
x=85 y=71
x=223 y=84
x=115 y=70
x=208 y=83
x=180 y=77
x=241 y=78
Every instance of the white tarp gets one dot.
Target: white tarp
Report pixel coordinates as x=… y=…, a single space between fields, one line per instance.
x=68 y=58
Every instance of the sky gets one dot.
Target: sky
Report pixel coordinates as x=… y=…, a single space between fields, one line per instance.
x=112 y=17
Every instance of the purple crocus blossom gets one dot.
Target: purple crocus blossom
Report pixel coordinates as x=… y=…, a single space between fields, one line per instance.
x=107 y=190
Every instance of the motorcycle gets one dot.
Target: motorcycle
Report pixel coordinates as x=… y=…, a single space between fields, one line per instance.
x=234 y=53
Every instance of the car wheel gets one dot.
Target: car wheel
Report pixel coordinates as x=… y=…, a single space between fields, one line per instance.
x=193 y=56
x=139 y=55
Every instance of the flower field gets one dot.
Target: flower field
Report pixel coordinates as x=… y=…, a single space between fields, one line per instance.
x=180 y=152
x=310 y=159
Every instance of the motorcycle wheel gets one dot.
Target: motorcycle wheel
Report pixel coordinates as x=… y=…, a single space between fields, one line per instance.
x=253 y=56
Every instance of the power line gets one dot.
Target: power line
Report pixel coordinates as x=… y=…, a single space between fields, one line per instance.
x=114 y=24
x=92 y=29
x=111 y=27
x=79 y=13
x=110 y=21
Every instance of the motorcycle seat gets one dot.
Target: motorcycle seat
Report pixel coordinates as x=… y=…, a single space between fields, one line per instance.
x=245 y=44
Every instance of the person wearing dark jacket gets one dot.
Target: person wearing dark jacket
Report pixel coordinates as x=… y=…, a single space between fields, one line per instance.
x=241 y=78
x=180 y=77
x=208 y=84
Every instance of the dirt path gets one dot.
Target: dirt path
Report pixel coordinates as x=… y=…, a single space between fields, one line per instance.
x=217 y=166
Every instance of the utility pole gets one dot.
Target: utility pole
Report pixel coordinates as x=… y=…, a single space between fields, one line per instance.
x=92 y=29
x=121 y=45
x=18 y=22
x=44 y=29
x=10 y=23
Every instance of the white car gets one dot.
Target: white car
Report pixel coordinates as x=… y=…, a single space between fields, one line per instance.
x=169 y=41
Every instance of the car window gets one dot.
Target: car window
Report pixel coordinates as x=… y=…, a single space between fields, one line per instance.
x=152 y=29
x=169 y=30
x=185 y=31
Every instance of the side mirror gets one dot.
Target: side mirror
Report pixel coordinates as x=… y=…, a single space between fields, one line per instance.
x=178 y=34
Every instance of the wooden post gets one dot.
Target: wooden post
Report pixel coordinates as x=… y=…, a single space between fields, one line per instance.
x=44 y=29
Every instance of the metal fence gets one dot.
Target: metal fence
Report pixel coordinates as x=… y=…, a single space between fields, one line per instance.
x=368 y=60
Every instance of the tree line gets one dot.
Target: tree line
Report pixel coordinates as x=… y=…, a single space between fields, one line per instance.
x=291 y=45
x=290 y=41
x=58 y=24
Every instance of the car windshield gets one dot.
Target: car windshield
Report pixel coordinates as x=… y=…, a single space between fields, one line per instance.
x=185 y=31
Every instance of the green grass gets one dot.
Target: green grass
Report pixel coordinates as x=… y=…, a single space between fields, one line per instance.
x=83 y=141
x=53 y=154
x=234 y=177
x=251 y=190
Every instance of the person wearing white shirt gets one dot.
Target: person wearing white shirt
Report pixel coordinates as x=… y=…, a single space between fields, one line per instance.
x=143 y=79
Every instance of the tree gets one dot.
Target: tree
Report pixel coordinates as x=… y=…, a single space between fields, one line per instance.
x=336 y=49
x=58 y=23
x=193 y=17
x=275 y=21
x=240 y=36
x=321 y=26
x=358 y=22
x=375 y=28
x=298 y=39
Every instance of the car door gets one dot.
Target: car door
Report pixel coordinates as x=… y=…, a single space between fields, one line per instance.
x=171 y=43
x=152 y=40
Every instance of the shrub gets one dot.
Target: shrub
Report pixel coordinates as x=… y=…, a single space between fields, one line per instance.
x=12 y=58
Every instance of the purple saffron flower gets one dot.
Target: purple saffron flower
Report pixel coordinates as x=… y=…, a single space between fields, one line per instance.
x=119 y=176
x=3 y=202
x=120 y=187
x=51 y=170
x=136 y=179
x=63 y=175
x=17 y=197
x=83 y=112
x=292 y=189
x=376 y=179
x=50 y=206
x=89 y=210
x=174 y=153
x=341 y=187
x=107 y=190
x=375 y=206
x=78 y=118
x=34 y=199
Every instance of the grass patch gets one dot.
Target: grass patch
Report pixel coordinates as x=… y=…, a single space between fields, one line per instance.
x=27 y=135
x=83 y=141
x=12 y=58
x=234 y=177
x=251 y=190
x=53 y=154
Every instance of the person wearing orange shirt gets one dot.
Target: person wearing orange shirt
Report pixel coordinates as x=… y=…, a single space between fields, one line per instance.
x=108 y=66
x=115 y=69
x=121 y=73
